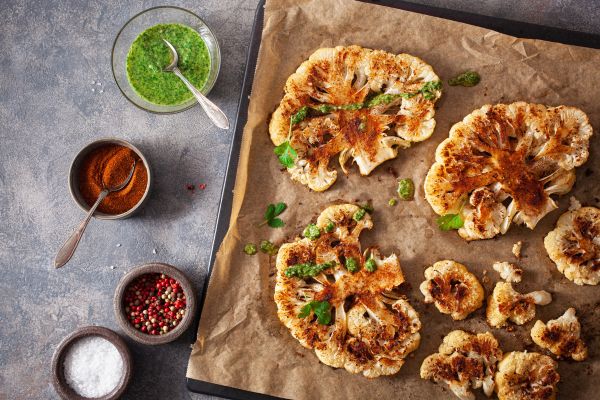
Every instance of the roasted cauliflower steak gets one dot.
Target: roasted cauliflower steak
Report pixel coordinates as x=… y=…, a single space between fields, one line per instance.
x=506 y=304
x=452 y=288
x=372 y=329
x=526 y=376
x=464 y=361
x=359 y=103
x=574 y=245
x=561 y=336
x=501 y=164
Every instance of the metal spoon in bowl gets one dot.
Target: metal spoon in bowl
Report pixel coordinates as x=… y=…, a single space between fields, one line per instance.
x=68 y=248
x=214 y=113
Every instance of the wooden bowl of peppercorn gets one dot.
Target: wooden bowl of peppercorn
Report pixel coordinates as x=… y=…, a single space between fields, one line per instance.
x=110 y=157
x=154 y=303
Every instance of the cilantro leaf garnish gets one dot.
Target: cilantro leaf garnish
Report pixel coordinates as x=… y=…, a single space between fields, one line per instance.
x=286 y=154
x=322 y=310
x=273 y=210
x=449 y=222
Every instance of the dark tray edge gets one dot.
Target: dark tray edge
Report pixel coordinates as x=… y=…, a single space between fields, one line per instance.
x=513 y=28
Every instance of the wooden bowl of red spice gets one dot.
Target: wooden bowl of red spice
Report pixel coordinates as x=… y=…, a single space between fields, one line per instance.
x=154 y=303
x=107 y=162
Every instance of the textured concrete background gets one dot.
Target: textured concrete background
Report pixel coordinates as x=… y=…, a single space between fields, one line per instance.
x=50 y=53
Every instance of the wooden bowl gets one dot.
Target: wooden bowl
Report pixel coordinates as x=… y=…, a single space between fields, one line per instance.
x=58 y=372
x=121 y=314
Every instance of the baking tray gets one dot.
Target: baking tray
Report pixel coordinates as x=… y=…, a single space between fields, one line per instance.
x=513 y=28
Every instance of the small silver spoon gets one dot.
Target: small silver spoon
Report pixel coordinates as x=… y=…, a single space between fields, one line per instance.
x=68 y=248
x=214 y=113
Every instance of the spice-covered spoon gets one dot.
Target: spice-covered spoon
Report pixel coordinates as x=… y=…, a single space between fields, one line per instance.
x=68 y=248
x=215 y=114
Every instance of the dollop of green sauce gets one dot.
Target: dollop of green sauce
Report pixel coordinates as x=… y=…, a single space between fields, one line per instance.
x=149 y=55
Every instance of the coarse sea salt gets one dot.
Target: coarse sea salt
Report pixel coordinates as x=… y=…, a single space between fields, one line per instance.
x=93 y=366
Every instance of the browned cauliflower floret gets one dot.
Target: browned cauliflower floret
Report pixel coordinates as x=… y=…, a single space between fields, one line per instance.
x=359 y=103
x=501 y=163
x=561 y=336
x=506 y=304
x=340 y=302
x=526 y=376
x=574 y=245
x=452 y=288
x=464 y=361
x=508 y=271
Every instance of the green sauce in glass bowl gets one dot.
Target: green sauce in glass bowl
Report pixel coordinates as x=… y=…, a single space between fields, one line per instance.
x=148 y=55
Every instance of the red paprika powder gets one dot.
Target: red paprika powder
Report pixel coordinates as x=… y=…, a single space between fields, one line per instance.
x=109 y=165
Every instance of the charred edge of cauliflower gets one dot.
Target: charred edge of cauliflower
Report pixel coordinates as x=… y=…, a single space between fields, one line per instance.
x=506 y=304
x=526 y=376
x=452 y=288
x=561 y=336
x=508 y=271
x=464 y=361
x=372 y=329
x=339 y=82
x=574 y=245
x=501 y=164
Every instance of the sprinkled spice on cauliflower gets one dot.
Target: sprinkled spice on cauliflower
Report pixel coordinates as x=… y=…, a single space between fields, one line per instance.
x=574 y=245
x=501 y=164
x=561 y=336
x=506 y=304
x=464 y=361
x=359 y=103
x=354 y=320
x=526 y=376
x=452 y=288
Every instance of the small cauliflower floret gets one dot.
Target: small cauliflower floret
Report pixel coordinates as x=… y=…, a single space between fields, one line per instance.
x=361 y=104
x=574 y=204
x=452 y=288
x=574 y=245
x=350 y=317
x=526 y=376
x=506 y=304
x=516 y=249
x=508 y=271
x=501 y=164
x=464 y=361
x=561 y=336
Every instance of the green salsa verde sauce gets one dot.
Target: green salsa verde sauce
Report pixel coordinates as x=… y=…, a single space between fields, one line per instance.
x=148 y=56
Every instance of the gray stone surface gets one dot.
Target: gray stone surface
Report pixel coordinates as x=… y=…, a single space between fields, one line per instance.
x=50 y=52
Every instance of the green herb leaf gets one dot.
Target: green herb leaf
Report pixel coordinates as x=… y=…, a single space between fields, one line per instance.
x=329 y=227
x=268 y=247
x=286 y=154
x=250 y=249
x=360 y=214
x=450 y=221
x=370 y=265
x=352 y=265
x=312 y=232
x=428 y=90
x=299 y=116
x=406 y=189
x=467 y=79
x=279 y=208
x=307 y=270
x=322 y=310
x=275 y=223
x=272 y=211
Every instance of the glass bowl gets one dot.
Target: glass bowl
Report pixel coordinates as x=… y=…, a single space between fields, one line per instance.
x=145 y=20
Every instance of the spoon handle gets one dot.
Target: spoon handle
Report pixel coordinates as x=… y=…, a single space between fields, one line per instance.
x=215 y=114
x=68 y=248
